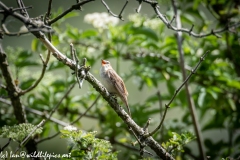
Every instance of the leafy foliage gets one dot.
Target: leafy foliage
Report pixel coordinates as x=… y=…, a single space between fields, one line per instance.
x=84 y=145
x=19 y=132
x=176 y=143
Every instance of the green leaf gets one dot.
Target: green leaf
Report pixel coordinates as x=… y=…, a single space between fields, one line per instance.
x=25 y=54
x=26 y=63
x=149 y=33
x=35 y=44
x=212 y=93
x=182 y=97
x=26 y=84
x=55 y=65
x=71 y=14
x=201 y=98
x=89 y=33
x=232 y=104
x=171 y=87
x=233 y=83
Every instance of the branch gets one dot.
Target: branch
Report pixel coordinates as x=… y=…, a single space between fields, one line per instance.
x=142 y=54
x=139 y=6
x=176 y=92
x=23 y=10
x=39 y=79
x=80 y=79
x=160 y=109
x=50 y=137
x=73 y=7
x=37 y=112
x=188 y=95
x=47 y=16
x=8 y=33
x=114 y=15
x=60 y=102
x=132 y=56
x=120 y=14
x=29 y=135
x=33 y=25
x=86 y=111
x=103 y=91
x=12 y=89
x=125 y=146
x=155 y=6
x=149 y=141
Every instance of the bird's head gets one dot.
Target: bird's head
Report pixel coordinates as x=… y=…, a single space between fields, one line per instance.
x=105 y=63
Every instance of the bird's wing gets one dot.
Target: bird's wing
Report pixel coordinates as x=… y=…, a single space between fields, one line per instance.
x=117 y=82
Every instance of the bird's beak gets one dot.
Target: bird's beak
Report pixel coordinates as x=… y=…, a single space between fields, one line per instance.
x=103 y=62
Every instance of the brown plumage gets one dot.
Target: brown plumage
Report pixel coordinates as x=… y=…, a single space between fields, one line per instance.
x=114 y=83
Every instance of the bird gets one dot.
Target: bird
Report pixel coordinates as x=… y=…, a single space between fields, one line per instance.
x=114 y=83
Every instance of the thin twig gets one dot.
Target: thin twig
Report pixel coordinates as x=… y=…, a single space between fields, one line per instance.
x=114 y=15
x=6 y=32
x=30 y=134
x=49 y=9
x=50 y=137
x=37 y=112
x=176 y=92
x=133 y=55
x=80 y=7
x=108 y=9
x=120 y=14
x=126 y=146
x=39 y=79
x=17 y=9
x=142 y=144
x=145 y=128
x=160 y=102
x=136 y=137
x=160 y=108
x=172 y=20
x=86 y=111
x=142 y=151
x=54 y=109
x=45 y=115
x=139 y=6
x=191 y=105
x=23 y=8
x=192 y=72
x=189 y=31
x=73 y=7
x=60 y=101
x=76 y=60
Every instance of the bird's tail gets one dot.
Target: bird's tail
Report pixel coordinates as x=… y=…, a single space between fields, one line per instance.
x=124 y=99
